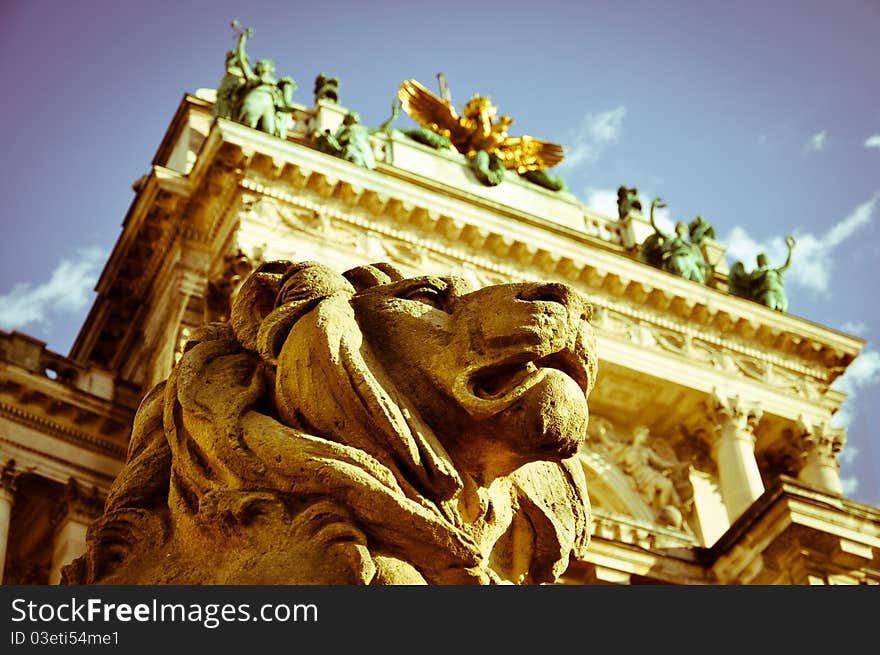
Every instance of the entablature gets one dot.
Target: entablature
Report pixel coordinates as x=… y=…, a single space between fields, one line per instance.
x=512 y=242
x=61 y=419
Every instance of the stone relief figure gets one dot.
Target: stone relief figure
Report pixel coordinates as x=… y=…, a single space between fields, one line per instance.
x=628 y=202
x=764 y=284
x=253 y=96
x=648 y=469
x=360 y=428
x=656 y=472
x=675 y=254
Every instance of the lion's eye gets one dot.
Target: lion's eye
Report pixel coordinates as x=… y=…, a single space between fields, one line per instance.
x=427 y=295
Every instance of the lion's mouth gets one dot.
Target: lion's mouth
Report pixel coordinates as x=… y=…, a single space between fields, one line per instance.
x=496 y=382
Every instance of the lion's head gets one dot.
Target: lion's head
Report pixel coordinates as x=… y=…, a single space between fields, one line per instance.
x=362 y=428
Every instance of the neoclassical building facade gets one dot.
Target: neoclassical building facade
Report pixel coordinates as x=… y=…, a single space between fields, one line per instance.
x=711 y=458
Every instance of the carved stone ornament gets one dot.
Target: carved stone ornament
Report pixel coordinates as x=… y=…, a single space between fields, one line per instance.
x=651 y=465
x=360 y=428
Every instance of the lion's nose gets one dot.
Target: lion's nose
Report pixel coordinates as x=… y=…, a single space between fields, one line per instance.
x=555 y=292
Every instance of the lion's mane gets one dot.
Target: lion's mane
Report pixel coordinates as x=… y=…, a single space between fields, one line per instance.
x=229 y=481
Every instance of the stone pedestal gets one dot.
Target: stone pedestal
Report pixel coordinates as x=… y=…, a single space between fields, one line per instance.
x=734 y=421
x=628 y=237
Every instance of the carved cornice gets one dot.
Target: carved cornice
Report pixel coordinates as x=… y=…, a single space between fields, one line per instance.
x=802 y=555
x=710 y=349
x=70 y=398
x=63 y=432
x=790 y=521
x=761 y=343
x=148 y=231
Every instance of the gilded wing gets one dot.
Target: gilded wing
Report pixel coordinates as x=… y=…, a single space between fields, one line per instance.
x=431 y=112
x=525 y=153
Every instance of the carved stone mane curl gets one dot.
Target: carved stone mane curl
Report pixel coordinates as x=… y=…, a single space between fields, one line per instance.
x=318 y=438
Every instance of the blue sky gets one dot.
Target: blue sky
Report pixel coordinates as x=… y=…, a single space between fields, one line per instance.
x=763 y=117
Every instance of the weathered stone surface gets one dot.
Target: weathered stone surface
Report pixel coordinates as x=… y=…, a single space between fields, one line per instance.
x=360 y=429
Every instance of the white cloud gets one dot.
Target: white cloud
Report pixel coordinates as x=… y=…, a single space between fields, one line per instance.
x=873 y=141
x=68 y=290
x=596 y=132
x=862 y=373
x=604 y=201
x=849 y=486
x=818 y=141
x=812 y=262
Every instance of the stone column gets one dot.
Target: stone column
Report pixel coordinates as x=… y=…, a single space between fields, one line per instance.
x=71 y=521
x=734 y=421
x=821 y=443
x=7 y=497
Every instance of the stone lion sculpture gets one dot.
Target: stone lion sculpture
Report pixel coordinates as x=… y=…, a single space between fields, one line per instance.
x=360 y=428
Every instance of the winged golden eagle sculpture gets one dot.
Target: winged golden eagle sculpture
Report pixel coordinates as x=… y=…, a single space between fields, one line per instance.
x=478 y=128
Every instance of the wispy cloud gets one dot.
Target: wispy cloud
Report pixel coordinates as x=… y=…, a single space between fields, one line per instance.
x=817 y=142
x=595 y=133
x=68 y=290
x=863 y=372
x=873 y=141
x=858 y=328
x=813 y=261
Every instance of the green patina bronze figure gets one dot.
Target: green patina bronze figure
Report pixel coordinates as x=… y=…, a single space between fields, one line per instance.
x=628 y=203
x=326 y=88
x=488 y=167
x=546 y=180
x=352 y=140
x=228 y=100
x=699 y=229
x=764 y=284
x=675 y=254
x=253 y=96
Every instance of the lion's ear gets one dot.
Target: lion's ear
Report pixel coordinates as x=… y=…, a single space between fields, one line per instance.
x=365 y=277
x=292 y=288
x=256 y=300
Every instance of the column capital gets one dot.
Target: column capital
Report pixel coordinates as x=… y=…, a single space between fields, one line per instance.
x=77 y=503
x=821 y=444
x=721 y=407
x=826 y=440
x=8 y=478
